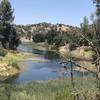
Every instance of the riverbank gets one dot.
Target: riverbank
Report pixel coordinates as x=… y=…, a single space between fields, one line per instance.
x=82 y=56
x=9 y=65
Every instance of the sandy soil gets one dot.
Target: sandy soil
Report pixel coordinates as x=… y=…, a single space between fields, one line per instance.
x=24 y=40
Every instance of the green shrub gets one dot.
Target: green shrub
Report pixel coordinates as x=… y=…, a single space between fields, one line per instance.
x=72 y=46
x=39 y=38
x=3 y=52
x=15 y=64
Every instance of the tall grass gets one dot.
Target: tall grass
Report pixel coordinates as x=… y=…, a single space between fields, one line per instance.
x=12 y=59
x=50 y=90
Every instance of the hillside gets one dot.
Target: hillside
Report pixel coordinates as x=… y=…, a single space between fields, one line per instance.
x=44 y=28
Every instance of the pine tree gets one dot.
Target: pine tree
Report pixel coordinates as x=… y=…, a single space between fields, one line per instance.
x=7 y=30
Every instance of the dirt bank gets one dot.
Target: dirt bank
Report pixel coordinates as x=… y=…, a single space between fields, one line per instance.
x=81 y=56
x=7 y=71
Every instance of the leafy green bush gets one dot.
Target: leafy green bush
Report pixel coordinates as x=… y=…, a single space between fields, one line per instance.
x=3 y=52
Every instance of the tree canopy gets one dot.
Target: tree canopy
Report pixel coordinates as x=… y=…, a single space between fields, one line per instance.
x=8 y=35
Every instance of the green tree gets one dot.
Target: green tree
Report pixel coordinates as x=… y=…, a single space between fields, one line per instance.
x=38 y=37
x=8 y=35
x=51 y=36
x=85 y=27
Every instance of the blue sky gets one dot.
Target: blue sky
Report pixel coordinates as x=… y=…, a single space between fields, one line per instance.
x=69 y=12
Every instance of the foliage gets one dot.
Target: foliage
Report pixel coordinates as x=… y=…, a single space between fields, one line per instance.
x=12 y=59
x=62 y=38
x=94 y=41
x=72 y=46
x=87 y=29
x=39 y=37
x=15 y=64
x=8 y=35
x=50 y=36
x=3 y=52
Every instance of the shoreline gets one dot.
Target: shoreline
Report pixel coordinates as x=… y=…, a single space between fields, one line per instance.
x=9 y=65
x=8 y=74
x=81 y=57
x=24 y=57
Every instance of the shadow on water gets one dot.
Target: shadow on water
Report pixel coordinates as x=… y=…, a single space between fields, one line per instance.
x=47 y=54
x=12 y=80
x=51 y=55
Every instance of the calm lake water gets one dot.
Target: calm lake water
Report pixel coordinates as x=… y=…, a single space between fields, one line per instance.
x=38 y=71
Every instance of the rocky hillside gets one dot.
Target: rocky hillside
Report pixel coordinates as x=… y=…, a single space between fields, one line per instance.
x=44 y=28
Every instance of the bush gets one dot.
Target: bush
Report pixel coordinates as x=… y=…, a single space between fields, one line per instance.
x=15 y=64
x=3 y=52
x=39 y=38
x=72 y=46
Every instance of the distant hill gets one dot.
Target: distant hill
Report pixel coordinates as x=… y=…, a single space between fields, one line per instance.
x=44 y=28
